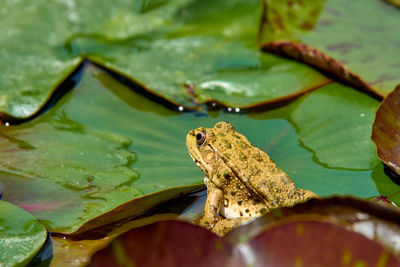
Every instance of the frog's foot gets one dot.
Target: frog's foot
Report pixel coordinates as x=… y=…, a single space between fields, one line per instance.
x=224 y=226
x=305 y=195
x=209 y=222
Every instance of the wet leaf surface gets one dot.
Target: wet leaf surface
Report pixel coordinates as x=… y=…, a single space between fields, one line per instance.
x=386 y=129
x=341 y=127
x=102 y=161
x=354 y=47
x=193 y=70
x=76 y=250
x=321 y=232
x=99 y=157
x=171 y=48
x=21 y=235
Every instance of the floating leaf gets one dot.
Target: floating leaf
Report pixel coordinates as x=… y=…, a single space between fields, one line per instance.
x=330 y=245
x=21 y=235
x=110 y=153
x=322 y=226
x=75 y=253
x=171 y=243
x=339 y=37
x=386 y=129
x=168 y=47
x=368 y=218
x=341 y=126
x=77 y=250
x=206 y=69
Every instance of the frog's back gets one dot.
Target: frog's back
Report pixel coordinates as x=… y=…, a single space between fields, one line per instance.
x=260 y=174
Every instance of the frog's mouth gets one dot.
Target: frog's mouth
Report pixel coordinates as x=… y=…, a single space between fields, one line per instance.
x=199 y=164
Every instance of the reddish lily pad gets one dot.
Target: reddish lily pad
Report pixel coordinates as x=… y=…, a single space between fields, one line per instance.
x=168 y=243
x=386 y=130
x=314 y=243
x=339 y=37
x=289 y=236
x=368 y=218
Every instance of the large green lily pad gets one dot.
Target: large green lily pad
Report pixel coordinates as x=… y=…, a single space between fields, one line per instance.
x=341 y=127
x=204 y=69
x=186 y=51
x=362 y=38
x=21 y=235
x=105 y=152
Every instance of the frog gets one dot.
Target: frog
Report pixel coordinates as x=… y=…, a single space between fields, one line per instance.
x=242 y=181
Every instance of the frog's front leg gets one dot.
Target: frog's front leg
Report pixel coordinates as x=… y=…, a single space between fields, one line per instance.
x=213 y=205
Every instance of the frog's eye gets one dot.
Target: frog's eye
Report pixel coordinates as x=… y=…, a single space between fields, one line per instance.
x=200 y=138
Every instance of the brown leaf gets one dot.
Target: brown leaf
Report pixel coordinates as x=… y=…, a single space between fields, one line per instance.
x=386 y=130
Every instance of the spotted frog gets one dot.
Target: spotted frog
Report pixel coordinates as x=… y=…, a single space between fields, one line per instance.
x=242 y=181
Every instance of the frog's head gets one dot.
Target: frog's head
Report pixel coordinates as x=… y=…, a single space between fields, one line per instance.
x=204 y=145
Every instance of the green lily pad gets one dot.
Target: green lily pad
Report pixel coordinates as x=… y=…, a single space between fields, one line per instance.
x=205 y=69
x=104 y=153
x=169 y=47
x=386 y=130
x=31 y=72
x=341 y=127
x=21 y=235
x=363 y=52
x=102 y=164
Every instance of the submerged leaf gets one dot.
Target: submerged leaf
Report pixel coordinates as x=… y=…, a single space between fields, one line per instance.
x=21 y=235
x=339 y=37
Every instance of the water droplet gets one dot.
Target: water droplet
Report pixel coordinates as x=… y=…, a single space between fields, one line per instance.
x=7 y=124
x=237 y=109
x=229 y=109
x=180 y=108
